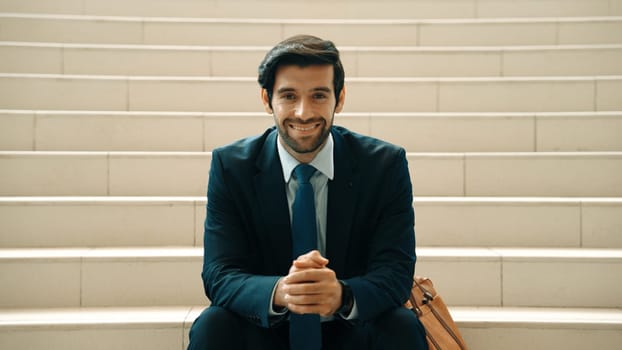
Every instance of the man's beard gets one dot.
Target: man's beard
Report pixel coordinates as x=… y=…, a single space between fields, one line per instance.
x=295 y=145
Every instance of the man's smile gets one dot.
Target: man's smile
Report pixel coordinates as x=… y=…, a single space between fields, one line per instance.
x=304 y=127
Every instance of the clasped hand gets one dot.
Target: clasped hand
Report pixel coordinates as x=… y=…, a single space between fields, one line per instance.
x=310 y=287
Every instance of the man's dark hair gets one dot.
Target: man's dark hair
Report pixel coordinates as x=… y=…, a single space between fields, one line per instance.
x=302 y=51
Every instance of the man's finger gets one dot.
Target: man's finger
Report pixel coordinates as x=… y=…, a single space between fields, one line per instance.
x=301 y=276
x=307 y=264
x=313 y=256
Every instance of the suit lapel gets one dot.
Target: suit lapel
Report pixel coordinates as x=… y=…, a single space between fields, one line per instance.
x=341 y=202
x=272 y=203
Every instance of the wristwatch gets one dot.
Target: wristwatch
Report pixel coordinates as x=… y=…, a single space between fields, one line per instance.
x=347 y=299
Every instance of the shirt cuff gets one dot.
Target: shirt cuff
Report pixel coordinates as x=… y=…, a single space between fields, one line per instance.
x=354 y=313
x=272 y=311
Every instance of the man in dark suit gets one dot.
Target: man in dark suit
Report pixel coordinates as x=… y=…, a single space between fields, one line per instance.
x=361 y=272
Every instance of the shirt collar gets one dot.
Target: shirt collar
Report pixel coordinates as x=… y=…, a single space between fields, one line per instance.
x=323 y=161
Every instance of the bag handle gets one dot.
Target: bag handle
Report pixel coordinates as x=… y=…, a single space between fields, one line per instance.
x=427 y=298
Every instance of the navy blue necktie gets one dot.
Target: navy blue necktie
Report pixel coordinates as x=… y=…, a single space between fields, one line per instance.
x=304 y=330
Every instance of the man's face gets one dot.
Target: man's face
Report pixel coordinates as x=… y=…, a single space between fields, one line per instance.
x=303 y=106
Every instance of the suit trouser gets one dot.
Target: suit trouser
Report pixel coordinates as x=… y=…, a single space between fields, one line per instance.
x=217 y=328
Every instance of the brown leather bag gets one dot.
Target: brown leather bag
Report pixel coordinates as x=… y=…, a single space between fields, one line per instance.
x=441 y=330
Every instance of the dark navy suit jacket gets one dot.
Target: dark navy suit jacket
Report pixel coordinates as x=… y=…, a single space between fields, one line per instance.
x=370 y=238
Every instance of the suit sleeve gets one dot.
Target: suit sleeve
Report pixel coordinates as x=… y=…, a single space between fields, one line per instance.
x=387 y=282
x=228 y=255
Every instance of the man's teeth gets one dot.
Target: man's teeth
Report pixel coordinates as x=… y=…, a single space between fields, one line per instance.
x=300 y=128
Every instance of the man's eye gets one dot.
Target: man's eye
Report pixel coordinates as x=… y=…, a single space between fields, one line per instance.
x=320 y=96
x=289 y=97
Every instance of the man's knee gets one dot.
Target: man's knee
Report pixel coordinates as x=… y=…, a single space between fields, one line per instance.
x=399 y=329
x=214 y=326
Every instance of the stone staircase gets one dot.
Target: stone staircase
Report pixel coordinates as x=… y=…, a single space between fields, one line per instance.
x=511 y=113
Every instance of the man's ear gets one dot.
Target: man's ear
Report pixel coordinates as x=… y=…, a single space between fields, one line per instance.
x=342 y=99
x=266 y=101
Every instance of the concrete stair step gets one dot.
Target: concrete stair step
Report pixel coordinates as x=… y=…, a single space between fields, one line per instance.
x=534 y=277
x=553 y=222
x=167 y=328
x=107 y=277
x=178 y=221
x=158 y=327
x=221 y=94
x=401 y=61
x=26 y=130
x=538 y=328
x=344 y=32
x=101 y=221
x=348 y=9
x=559 y=174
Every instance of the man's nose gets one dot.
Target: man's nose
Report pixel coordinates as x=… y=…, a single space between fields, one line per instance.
x=303 y=109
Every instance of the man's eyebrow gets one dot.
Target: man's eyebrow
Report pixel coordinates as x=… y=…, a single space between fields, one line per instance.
x=322 y=88
x=285 y=89
x=316 y=89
